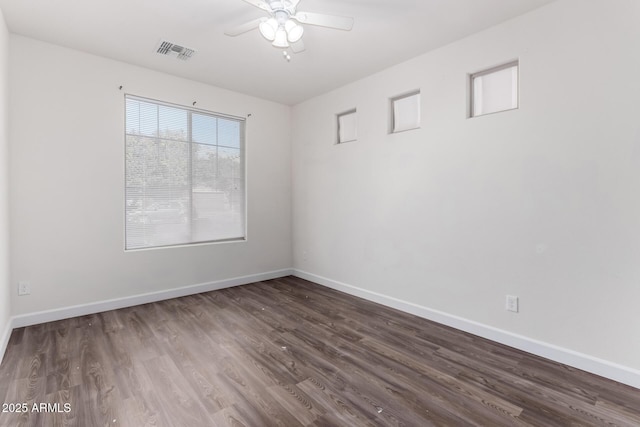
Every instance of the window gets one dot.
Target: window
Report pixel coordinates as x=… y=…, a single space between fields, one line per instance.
x=347 y=126
x=405 y=112
x=184 y=175
x=494 y=90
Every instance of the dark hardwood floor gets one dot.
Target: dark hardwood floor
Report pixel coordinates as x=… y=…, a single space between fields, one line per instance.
x=290 y=353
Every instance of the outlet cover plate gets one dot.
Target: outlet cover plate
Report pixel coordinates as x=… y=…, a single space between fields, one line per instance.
x=24 y=288
x=512 y=303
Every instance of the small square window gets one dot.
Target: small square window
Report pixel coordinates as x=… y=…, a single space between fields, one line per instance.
x=347 y=126
x=405 y=112
x=494 y=90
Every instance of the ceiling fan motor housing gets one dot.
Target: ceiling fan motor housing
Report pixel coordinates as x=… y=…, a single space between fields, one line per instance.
x=281 y=16
x=287 y=6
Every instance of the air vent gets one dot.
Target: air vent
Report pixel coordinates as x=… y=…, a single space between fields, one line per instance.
x=175 y=50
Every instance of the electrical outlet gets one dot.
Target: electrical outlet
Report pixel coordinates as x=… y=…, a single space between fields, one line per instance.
x=24 y=288
x=512 y=303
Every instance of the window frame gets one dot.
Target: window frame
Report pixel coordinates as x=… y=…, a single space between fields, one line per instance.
x=242 y=173
x=487 y=71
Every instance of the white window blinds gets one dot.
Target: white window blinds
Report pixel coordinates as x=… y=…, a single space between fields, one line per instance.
x=184 y=175
x=495 y=90
x=347 y=126
x=405 y=112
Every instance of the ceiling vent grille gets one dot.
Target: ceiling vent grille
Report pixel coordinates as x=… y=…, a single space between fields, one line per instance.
x=175 y=50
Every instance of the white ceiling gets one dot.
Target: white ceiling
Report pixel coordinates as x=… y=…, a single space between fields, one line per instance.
x=385 y=33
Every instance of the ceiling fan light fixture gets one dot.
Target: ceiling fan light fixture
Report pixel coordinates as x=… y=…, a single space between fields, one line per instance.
x=269 y=29
x=284 y=24
x=280 y=39
x=294 y=31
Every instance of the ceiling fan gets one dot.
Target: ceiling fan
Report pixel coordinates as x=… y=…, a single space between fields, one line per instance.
x=282 y=27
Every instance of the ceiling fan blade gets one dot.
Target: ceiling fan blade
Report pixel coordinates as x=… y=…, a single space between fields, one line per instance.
x=330 y=21
x=297 y=47
x=259 y=3
x=243 y=28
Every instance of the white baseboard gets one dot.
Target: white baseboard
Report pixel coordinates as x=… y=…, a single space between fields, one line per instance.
x=585 y=362
x=113 y=304
x=4 y=338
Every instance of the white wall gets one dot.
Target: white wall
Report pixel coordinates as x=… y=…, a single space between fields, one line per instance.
x=541 y=202
x=5 y=295
x=67 y=156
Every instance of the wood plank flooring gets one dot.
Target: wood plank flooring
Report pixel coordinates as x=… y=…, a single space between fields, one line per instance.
x=288 y=352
